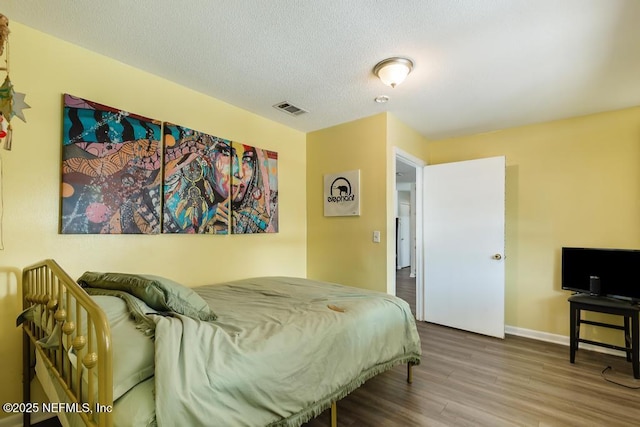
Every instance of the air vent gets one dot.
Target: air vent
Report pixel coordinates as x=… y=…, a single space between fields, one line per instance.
x=289 y=108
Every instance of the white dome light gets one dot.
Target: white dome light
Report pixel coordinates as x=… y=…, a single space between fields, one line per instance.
x=393 y=71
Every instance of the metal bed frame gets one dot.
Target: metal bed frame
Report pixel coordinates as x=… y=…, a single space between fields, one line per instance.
x=60 y=302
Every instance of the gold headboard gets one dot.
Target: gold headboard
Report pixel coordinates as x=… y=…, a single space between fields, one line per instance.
x=64 y=320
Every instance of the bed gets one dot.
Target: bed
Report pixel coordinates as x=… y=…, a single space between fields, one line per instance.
x=128 y=349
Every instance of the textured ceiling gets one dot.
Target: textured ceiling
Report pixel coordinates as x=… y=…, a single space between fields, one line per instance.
x=480 y=65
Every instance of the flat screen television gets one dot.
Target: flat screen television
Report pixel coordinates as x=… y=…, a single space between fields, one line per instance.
x=618 y=270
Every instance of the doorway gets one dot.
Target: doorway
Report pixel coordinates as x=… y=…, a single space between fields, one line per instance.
x=408 y=196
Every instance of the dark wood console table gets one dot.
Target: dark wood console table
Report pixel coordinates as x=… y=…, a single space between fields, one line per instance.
x=631 y=328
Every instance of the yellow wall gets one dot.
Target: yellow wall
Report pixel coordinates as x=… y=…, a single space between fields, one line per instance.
x=341 y=249
x=573 y=182
x=44 y=68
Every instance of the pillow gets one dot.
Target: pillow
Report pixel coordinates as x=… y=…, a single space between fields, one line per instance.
x=157 y=292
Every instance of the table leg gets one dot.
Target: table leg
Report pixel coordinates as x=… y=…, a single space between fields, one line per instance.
x=628 y=343
x=635 y=344
x=573 y=333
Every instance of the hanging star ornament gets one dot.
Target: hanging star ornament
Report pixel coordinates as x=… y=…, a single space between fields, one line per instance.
x=19 y=105
x=11 y=102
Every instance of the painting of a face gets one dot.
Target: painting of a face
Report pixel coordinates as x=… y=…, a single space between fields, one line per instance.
x=244 y=160
x=254 y=189
x=222 y=162
x=113 y=180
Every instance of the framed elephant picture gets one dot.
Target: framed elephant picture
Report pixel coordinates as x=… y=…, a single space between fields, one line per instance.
x=342 y=194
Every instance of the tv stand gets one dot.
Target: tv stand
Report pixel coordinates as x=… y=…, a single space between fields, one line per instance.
x=631 y=328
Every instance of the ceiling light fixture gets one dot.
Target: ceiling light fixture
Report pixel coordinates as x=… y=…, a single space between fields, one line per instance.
x=393 y=71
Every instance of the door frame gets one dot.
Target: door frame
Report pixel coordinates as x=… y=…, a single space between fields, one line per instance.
x=418 y=164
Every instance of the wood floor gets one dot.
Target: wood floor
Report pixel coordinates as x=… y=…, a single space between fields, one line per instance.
x=467 y=379
x=406 y=287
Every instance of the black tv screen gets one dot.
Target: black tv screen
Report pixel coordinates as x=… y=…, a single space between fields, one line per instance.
x=618 y=270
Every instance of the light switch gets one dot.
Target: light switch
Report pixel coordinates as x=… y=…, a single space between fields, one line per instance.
x=376 y=237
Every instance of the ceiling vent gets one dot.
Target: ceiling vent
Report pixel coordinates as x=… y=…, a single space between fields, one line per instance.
x=289 y=108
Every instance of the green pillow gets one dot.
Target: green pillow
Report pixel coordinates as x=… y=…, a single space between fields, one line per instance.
x=157 y=292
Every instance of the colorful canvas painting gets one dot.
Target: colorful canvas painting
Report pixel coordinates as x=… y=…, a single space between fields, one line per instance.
x=111 y=170
x=196 y=184
x=254 y=189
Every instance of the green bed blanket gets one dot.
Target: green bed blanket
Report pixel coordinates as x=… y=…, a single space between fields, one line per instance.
x=281 y=350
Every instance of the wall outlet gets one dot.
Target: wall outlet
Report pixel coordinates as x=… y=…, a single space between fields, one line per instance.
x=376 y=237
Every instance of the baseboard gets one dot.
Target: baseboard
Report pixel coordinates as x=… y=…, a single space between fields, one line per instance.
x=557 y=339
x=15 y=420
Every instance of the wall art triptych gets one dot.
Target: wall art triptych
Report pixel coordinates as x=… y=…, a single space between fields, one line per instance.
x=111 y=170
x=116 y=178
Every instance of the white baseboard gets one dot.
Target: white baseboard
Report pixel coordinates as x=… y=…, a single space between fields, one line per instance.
x=557 y=339
x=15 y=420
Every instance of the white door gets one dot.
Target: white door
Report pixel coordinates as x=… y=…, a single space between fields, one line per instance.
x=404 y=235
x=464 y=245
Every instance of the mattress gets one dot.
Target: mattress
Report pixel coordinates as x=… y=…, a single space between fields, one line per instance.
x=136 y=408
